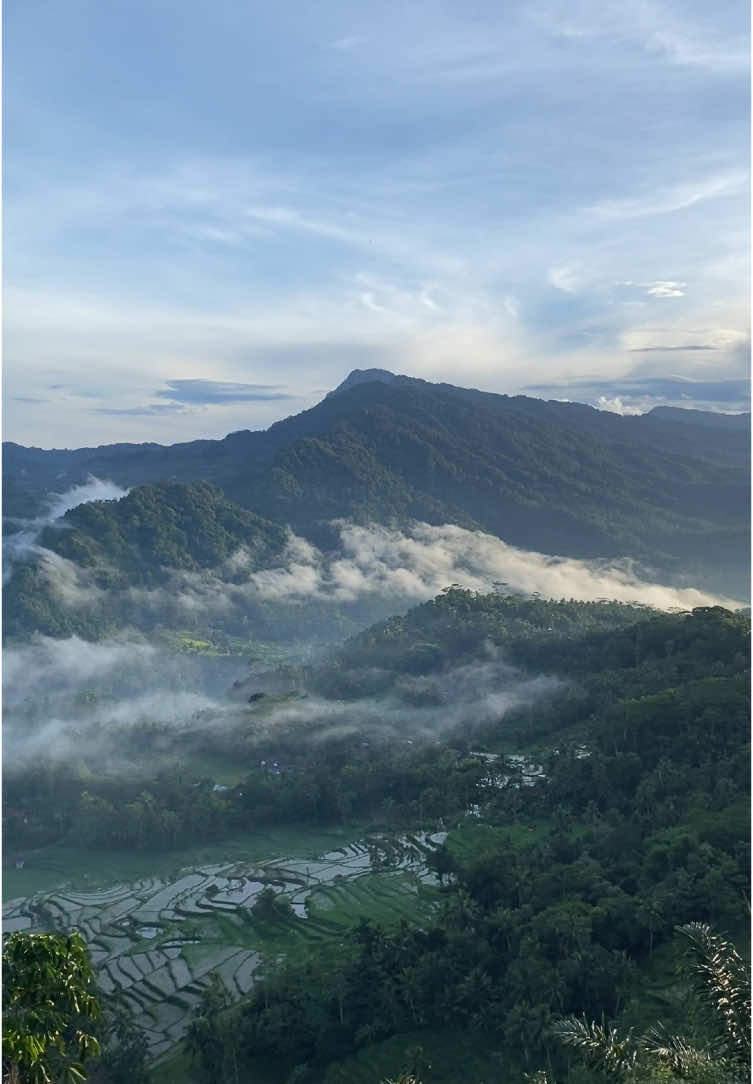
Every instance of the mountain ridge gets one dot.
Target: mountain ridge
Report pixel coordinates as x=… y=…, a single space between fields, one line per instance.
x=559 y=478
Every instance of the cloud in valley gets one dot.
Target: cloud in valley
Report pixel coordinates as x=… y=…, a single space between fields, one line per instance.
x=419 y=563
x=92 y=701
x=401 y=568
x=84 y=698
x=383 y=570
x=23 y=542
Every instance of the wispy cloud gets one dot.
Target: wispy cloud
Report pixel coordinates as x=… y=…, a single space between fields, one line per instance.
x=20 y=545
x=221 y=391
x=663 y=349
x=664 y=201
x=511 y=306
x=663 y=29
x=662 y=288
x=350 y=41
x=566 y=278
x=640 y=392
x=146 y=411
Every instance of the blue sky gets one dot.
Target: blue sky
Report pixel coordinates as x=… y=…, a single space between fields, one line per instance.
x=212 y=213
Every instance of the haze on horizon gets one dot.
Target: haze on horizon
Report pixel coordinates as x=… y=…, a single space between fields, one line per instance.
x=212 y=216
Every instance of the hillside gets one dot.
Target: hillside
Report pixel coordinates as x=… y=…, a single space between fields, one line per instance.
x=168 y=525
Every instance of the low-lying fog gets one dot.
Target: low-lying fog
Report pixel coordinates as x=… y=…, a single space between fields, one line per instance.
x=72 y=699
x=90 y=703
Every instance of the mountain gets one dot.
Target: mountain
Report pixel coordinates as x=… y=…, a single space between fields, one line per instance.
x=558 y=481
x=30 y=473
x=561 y=478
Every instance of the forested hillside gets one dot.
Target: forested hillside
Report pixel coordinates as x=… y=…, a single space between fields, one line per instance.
x=160 y=527
x=588 y=761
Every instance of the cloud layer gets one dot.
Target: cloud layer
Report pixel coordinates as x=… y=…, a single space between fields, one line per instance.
x=417 y=564
x=93 y=702
x=377 y=569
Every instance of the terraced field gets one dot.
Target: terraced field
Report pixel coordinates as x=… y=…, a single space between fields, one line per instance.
x=155 y=941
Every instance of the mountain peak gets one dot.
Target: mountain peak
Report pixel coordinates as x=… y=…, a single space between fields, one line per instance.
x=364 y=376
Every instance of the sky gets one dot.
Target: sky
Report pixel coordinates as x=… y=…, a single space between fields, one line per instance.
x=213 y=212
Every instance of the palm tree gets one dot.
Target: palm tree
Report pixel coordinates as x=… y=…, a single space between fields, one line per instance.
x=722 y=980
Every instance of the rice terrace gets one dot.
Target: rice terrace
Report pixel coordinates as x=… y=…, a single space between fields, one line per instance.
x=156 y=940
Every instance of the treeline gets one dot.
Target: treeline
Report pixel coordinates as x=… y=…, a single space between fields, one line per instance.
x=528 y=931
x=343 y=782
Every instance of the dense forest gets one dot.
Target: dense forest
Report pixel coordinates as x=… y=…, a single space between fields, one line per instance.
x=638 y=824
x=562 y=886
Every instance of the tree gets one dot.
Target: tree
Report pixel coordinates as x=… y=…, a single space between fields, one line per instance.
x=124 y=1051
x=212 y=1037
x=48 y=1008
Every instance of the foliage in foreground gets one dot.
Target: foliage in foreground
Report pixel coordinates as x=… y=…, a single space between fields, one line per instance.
x=48 y=1008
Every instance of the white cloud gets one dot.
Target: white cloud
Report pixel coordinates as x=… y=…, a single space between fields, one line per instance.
x=428 y=301
x=617 y=406
x=417 y=564
x=665 y=289
x=567 y=278
x=663 y=30
x=23 y=542
x=706 y=343
x=350 y=41
x=370 y=303
x=511 y=306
